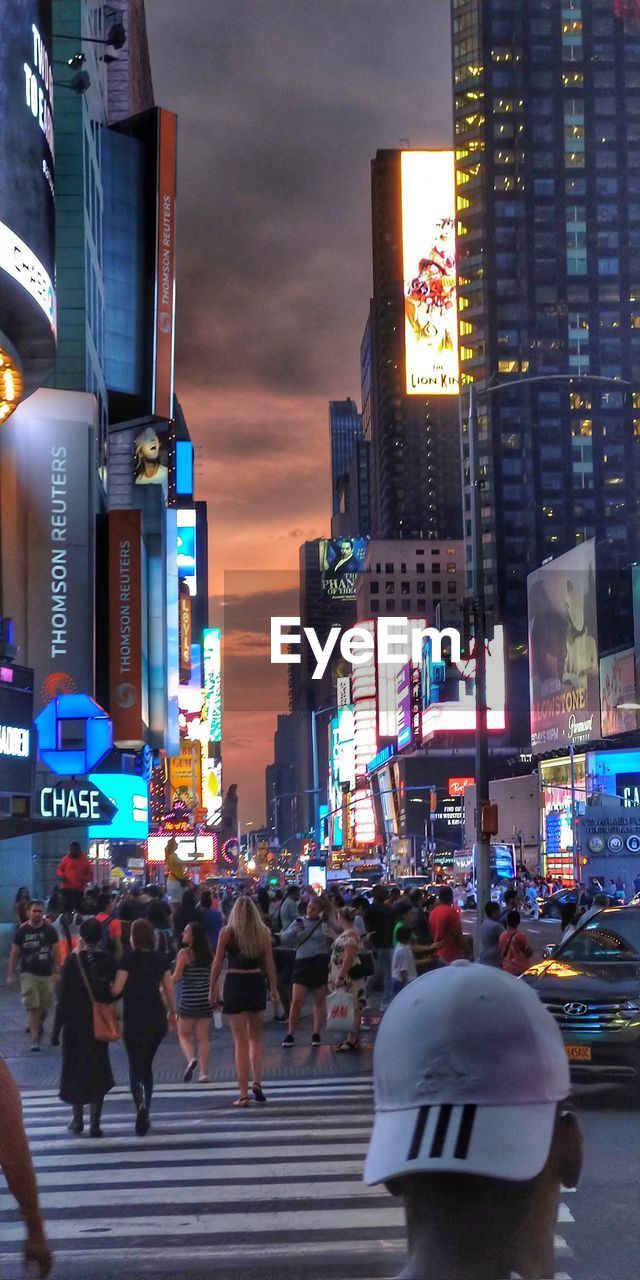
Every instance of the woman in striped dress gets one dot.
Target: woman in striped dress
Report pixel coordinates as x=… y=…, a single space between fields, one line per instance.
x=193 y=969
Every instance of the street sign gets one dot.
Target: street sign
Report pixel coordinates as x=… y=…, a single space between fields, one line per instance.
x=74 y=734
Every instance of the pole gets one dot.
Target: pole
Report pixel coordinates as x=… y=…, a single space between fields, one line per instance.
x=574 y=841
x=316 y=780
x=483 y=849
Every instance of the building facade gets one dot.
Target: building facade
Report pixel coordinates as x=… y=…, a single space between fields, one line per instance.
x=345 y=429
x=415 y=439
x=547 y=137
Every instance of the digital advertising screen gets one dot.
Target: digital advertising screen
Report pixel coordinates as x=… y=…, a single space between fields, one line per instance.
x=563 y=651
x=429 y=271
x=151 y=458
x=27 y=151
x=618 y=693
x=341 y=560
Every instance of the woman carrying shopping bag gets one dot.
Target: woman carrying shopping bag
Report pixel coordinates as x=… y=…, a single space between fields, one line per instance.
x=345 y=957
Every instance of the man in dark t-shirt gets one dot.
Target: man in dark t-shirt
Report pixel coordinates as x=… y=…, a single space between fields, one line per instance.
x=379 y=921
x=37 y=947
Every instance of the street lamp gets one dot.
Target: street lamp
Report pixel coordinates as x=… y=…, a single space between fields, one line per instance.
x=483 y=843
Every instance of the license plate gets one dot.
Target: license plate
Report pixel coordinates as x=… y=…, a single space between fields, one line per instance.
x=578 y=1052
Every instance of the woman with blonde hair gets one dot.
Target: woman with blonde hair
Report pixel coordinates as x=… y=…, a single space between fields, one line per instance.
x=246 y=945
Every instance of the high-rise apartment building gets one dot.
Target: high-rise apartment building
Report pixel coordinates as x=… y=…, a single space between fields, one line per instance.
x=345 y=430
x=547 y=137
x=415 y=438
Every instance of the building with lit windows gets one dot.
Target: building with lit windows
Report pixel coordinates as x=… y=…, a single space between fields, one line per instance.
x=415 y=438
x=547 y=138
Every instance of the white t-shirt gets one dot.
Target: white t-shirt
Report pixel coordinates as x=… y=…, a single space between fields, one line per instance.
x=403 y=961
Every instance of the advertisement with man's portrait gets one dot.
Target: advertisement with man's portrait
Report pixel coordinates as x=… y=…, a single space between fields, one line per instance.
x=618 y=693
x=341 y=560
x=563 y=651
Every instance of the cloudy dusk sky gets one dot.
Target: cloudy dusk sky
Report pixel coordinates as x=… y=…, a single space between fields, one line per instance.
x=282 y=104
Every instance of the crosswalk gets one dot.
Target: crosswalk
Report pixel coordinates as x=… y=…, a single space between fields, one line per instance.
x=243 y=1193
x=275 y=1191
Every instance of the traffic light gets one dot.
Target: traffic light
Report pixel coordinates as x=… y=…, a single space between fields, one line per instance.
x=489 y=820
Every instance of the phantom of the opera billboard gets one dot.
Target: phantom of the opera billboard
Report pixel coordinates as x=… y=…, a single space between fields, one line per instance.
x=563 y=651
x=429 y=271
x=341 y=560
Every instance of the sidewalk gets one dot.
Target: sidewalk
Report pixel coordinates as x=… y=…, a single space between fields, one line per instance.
x=42 y=1070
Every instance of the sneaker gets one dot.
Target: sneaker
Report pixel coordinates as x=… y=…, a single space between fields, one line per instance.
x=288 y=1042
x=315 y=1039
x=35 y=1048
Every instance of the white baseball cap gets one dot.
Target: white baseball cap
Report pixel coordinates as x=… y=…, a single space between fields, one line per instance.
x=469 y=1068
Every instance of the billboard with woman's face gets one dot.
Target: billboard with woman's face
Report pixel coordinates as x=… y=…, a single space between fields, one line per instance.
x=151 y=458
x=563 y=651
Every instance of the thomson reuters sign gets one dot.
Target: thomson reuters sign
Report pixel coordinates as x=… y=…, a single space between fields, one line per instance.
x=125 y=630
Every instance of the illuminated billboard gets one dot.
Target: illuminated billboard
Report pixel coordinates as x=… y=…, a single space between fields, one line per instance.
x=212 y=673
x=452 y=707
x=563 y=650
x=185 y=778
x=341 y=560
x=186 y=518
x=27 y=158
x=617 y=688
x=128 y=792
x=151 y=458
x=165 y=283
x=429 y=271
x=128 y=704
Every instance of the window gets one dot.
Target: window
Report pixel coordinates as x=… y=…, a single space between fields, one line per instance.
x=389 y=588
x=421 y=588
x=388 y=568
x=374 y=588
x=452 y=588
x=451 y=568
x=435 y=568
x=375 y=606
x=420 y=568
x=405 y=588
x=436 y=588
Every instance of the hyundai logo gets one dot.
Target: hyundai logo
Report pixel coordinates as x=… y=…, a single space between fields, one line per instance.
x=576 y=1010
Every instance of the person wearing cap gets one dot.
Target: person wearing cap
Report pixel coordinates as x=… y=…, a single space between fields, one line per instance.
x=470 y=1127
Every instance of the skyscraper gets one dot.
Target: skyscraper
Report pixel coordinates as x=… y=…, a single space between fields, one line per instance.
x=547 y=135
x=415 y=438
x=345 y=429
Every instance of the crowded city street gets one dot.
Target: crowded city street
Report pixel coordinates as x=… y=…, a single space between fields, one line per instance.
x=319 y=639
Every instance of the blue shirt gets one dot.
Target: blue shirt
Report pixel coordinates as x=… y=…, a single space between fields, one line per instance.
x=213 y=922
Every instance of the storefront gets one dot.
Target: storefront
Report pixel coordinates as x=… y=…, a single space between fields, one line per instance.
x=612 y=775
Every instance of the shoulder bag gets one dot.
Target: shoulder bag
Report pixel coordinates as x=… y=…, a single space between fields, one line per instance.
x=106 y=1024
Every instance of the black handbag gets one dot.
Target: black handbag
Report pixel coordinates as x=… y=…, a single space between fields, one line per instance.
x=363 y=967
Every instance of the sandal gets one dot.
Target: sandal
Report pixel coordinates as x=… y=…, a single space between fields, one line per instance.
x=348 y=1046
x=189 y=1071
x=258 y=1092
x=241 y=1102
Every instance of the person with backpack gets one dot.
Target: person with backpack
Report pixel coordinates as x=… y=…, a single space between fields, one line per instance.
x=514 y=947
x=111 y=926
x=158 y=918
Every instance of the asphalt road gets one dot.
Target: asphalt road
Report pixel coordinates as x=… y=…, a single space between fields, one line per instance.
x=275 y=1193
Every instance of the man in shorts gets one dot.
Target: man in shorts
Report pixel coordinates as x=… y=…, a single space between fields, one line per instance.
x=37 y=948
x=471 y=1128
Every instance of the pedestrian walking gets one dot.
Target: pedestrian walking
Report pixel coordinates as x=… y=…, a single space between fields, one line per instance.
x=193 y=971
x=144 y=981
x=164 y=940
x=36 y=948
x=379 y=921
x=186 y=913
x=311 y=938
x=477 y=1155
x=86 y=1075
x=490 y=933
x=290 y=908
x=515 y=949
x=343 y=959
x=17 y=1167
x=21 y=904
x=245 y=943
x=74 y=872
x=445 y=923
x=403 y=962
x=212 y=918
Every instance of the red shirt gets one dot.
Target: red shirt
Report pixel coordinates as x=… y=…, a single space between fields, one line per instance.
x=515 y=951
x=446 y=928
x=75 y=873
x=115 y=925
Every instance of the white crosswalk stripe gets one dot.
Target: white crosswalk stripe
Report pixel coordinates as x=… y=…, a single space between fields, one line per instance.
x=230 y=1187
x=235 y=1192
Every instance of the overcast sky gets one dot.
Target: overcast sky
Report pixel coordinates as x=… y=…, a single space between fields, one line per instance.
x=282 y=104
